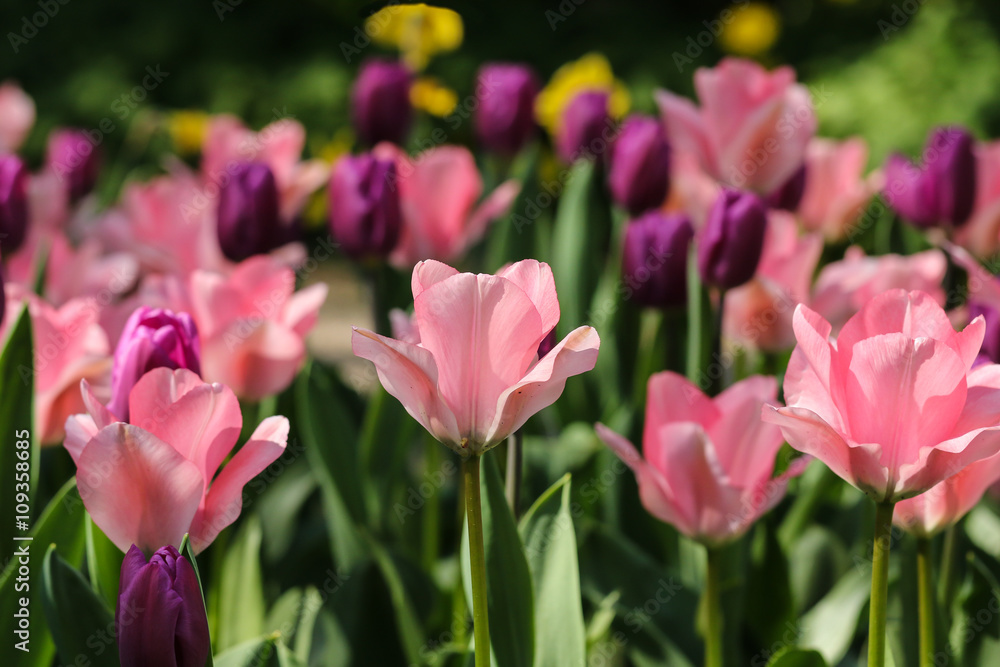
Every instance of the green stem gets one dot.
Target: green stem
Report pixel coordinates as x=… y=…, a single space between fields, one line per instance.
x=880 y=584
x=946 y=590
x=432 y=510
x=712 y=606
x=925 y=593
x=514 y=468
x=477 y=560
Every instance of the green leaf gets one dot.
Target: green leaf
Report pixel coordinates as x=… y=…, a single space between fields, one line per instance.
x=19 y=457
x=255 y=652
x=829 y=627
x=80 y=623
x=241 y=597
x=407 y=620
x=286 y=657
x=797 y=657
x=104 y=564
x=975 y=630
x=187 y=551
x=550 y=547
x=769 y=606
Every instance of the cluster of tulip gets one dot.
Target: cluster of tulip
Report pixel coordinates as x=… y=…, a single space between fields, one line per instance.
x=734 y=270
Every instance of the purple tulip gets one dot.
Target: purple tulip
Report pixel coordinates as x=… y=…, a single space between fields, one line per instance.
x=732 y=240
x=152 y=338
x=248 y=220
x=364 y=206
x=990 y=351
x=75 y=161
x=13 y=203
x=940 y=191
x=3 y=298
x=654 y=258
x=583 y=126
x=505 y=115
x=639 y=169
x=160 y=620
x=788 y=196
x=381 y=102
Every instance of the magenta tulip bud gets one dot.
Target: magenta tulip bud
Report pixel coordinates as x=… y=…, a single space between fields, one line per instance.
x=990 y=351
x=381 y=102
x=584 y=122
x=505 y=115
x=639 y=170
x=75 y=161
x=13 y=203
x=943 y=189
x=152 y=338
x=248 y=220
x=788 y=196
x=654 y=258
x=731 y=243
x=160 y=620
x=364 y=206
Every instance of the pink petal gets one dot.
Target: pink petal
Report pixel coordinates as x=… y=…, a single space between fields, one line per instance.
x=535 y=278
x=745 y=445
x=428 y=273
x=946 y=503
x=302 y=308
x=137 y=488
x=685 y=128
x=79 y=431
x=938 y=463
x=671 y=397
x=982 y=402
x=17 y=115
x=254 y=361
x=495 y=205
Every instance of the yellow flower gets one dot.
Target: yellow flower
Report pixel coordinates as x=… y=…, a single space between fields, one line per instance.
x=591 y=72
x=428 y=94
x=187 y=130
x=752 y=30
x=418 y=31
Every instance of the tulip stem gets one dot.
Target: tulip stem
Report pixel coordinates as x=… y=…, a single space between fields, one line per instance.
x=947 y=584
x=514 y=469
x=925 y=594
x=712 y=607
x=880 y=584
x=477 y=560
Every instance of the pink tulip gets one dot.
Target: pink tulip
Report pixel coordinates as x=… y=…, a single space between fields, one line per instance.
x=438 y=193
x=150 y=481
x=836 y=190
x=475 y=377
x=707 y=463
x=981 y=234
x=228 y=143
x=759 y=313
x=17 y=115
x=845 y=286
x=69 y=346
x=892 y=405
x=752 y=127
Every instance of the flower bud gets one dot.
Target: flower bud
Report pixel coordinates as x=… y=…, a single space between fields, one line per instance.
x=943 y=189
x=152 y=338
x=788 y=196
x=160 y=620
x=75 y=161
x=248 y=221
x=505 y=116
x=582 y=124
x=13 y=203
x=731 y=243
x=639 y=174
x=364 y=206
x=654 y=258
x=381 y=102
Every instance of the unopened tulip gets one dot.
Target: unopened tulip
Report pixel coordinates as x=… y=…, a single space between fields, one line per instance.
x=639 y=172
x=160 y=620
x=151 y=481
x=707 y=463
x=381 y=102
x=505 y=115
x=249 y=223
x=364 y=206
x=13 y=203
x=788 y=196
x=475 y=377
x=893 y=405
x=583 y=129
x=942 y=189
x=654 y=258
x=75 y=161
x=152 y=338
x=730 y=245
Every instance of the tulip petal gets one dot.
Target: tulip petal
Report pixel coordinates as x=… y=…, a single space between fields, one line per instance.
x=671 y=397
x=982 y=402
x=192 y=641
x=536 y=279
x=494 y=206
x=938 y=463
x=428 y=273
x=686 y=129
x=302 y=308
x=746 y=445
x=146 y=628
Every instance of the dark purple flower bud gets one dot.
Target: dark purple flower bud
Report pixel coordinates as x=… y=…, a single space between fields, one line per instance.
x=940 y=191
x=505 y=116
x=732 y=240
x=160 y=620
x=788 y=196
x=13 y=203
x=75 y=160
x=364 y=206
x=547 y=343
x=654 y=258
x=381 y=102
x=152 y=338
x=639 y=170
x=583 y=122
x=248 y=220
x=3 y=298
x=990 y=351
